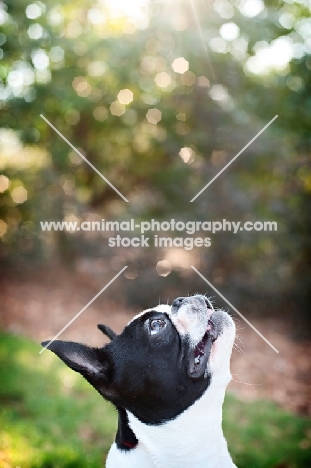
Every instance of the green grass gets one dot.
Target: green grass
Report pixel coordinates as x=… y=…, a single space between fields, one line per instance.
x=262 y=435
x=51 y=418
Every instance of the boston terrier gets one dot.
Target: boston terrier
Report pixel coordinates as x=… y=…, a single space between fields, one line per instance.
x=166 y=374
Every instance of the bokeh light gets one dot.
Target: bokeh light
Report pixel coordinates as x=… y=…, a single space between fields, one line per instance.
x=163 y=79
x=19 y=194
x=125 y=96
x=154 y=116
x=4 y=183
x=163 y=268
x=180 y=65
x=187 y=155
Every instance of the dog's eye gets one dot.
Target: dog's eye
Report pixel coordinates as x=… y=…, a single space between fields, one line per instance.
x=156 y=325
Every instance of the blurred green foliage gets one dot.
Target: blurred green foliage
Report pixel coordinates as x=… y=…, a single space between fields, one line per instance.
x=205 y=77
x=51 y=417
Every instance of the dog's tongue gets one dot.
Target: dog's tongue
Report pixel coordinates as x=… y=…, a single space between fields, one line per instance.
x=199 y=357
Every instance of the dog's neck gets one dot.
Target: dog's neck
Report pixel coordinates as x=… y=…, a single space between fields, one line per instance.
x=195 y=438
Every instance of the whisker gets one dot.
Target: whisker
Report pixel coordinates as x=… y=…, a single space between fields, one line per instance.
x=237 y=347
x=245 y=383
x=238 y=338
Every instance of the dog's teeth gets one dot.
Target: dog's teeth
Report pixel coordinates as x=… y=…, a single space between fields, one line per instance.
x=197 y=360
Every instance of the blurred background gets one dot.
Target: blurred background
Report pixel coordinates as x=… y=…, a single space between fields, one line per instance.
x=159 y=96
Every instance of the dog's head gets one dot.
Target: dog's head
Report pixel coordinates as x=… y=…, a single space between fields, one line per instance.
x=163 y=361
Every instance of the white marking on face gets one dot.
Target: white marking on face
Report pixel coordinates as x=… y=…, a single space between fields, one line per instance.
x=192 y=318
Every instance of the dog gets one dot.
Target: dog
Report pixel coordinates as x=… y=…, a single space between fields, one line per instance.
x=166 y=374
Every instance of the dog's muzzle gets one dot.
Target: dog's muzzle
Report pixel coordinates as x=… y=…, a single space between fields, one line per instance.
x=199 y=355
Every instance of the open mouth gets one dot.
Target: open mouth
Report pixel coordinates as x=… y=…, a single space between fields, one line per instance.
x=199 y=356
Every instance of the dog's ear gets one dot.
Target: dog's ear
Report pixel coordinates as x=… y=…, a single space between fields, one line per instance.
x=107 y=331
x=93 y=363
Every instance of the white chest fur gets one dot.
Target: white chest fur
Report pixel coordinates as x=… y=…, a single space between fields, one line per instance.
x=193 y=440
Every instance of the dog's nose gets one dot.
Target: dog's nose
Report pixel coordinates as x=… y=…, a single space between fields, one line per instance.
x=177 y=303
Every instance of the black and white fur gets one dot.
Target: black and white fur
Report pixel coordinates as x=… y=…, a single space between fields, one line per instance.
x=166 y=374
